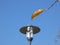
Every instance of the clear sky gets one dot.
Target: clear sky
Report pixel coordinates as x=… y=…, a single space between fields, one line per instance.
x=17 y=13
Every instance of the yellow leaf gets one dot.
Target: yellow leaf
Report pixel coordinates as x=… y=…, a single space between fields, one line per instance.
x=36 y=13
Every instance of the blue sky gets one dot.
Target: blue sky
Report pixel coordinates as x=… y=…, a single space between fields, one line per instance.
x=17 y=13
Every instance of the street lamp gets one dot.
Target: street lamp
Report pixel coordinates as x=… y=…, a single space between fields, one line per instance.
x=29 y=31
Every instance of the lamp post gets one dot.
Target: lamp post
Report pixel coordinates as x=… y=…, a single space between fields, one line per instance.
x=29 y=31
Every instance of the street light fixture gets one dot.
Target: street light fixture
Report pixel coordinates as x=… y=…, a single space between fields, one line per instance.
x=29 y=31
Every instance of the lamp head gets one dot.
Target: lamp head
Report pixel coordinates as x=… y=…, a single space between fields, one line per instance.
x=29 y=31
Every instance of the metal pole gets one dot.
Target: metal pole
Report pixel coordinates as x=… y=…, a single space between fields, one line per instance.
x=30 y=43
